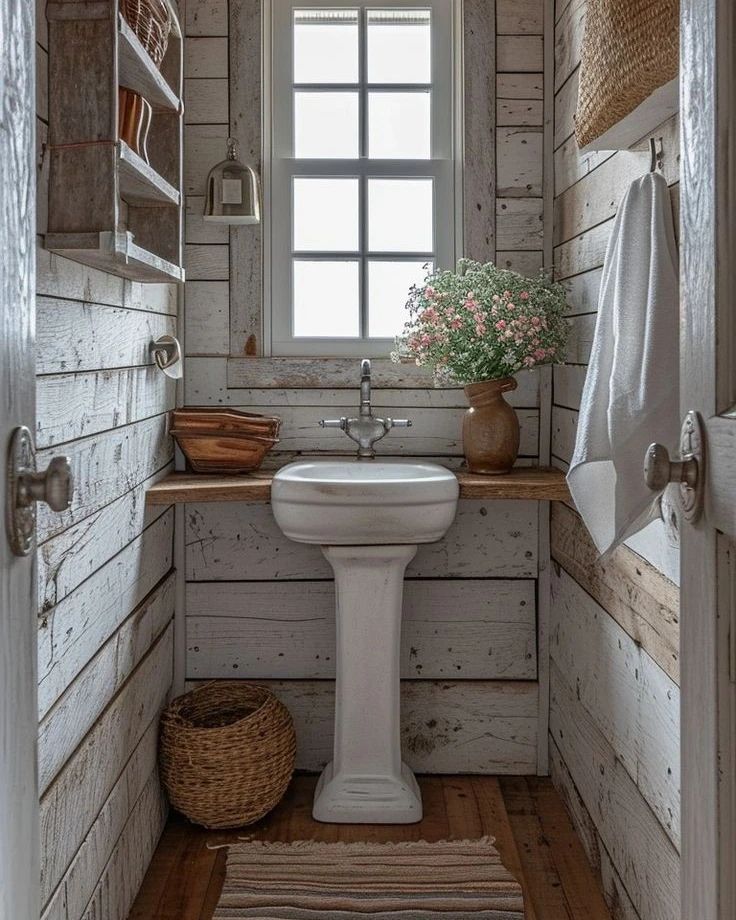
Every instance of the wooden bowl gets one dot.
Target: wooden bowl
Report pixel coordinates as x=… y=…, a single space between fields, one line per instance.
x=230 y=420
x=223 y=451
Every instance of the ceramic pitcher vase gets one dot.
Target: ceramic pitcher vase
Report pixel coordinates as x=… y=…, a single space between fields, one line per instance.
x=490 y=427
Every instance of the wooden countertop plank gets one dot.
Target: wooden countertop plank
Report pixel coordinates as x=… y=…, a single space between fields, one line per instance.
x=530 y=483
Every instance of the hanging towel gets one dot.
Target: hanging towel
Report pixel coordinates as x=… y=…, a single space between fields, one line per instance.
x=631 y=393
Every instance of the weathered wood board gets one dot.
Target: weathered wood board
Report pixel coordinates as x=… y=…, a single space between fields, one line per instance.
x=232 y=541
x=446 y=726
x=642 y=853
x=72 y=802
x=74 y=714
x=70 y=633
x=633 y=702
x=454 y=628
x=65 y=561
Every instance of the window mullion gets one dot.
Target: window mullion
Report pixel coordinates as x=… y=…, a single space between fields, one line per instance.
x=363 y=194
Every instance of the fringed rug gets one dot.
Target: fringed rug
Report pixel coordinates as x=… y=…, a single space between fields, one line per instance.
x=454 y=880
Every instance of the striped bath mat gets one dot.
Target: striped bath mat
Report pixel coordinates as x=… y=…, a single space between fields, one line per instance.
x=452 y=880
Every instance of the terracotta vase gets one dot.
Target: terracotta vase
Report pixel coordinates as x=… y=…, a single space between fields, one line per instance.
x=490 y=428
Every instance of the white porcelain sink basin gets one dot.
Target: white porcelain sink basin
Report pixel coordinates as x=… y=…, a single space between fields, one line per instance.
x=338 y=503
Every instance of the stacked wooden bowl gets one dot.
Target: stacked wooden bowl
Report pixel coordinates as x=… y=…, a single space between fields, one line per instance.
x=224 y=440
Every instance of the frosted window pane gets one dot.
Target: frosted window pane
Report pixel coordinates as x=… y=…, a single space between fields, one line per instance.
x=399 y=46
x=326 y=215
x=400 y=215
x=326 y=46
x=326 y=125
x=388 y=291
x=399 y=126
x=326 y=299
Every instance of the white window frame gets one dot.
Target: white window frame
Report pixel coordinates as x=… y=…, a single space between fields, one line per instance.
x=279 y=167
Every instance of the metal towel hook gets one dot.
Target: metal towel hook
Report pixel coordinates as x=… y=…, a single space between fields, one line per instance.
x=656 y=154
x=166 y=353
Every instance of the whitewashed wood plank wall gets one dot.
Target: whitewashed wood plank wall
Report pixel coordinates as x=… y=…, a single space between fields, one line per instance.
x=105 y=577
x=614 y=636
x=471 y=600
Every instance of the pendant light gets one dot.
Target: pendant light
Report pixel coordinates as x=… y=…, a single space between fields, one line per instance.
x=233 y=195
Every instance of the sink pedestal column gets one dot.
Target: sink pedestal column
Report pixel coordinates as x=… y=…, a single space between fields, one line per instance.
x=366 y=782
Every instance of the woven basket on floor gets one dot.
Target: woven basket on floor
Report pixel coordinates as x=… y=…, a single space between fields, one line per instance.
x=629 y=50
x=227 y=753
x=151 y=22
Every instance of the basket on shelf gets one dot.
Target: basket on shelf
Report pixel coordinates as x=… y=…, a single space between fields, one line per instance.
x=227 y=752
x=629 y=50
x=151 y=22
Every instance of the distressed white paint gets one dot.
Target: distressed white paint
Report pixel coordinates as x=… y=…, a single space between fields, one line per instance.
x=234 y=541
x=454 y=628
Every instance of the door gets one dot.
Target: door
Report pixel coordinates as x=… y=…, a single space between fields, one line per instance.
x=19 y=872
x=708 y=386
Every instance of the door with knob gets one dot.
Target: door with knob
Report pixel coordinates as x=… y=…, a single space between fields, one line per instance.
x=19 y=863
x=704 y=463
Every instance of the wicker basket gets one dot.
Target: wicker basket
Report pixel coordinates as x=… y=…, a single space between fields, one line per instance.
x=227 y=753
x=151 y=22
x=629 y=50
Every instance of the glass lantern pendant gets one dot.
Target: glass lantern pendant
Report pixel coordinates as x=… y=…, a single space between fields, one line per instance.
x=232 y=191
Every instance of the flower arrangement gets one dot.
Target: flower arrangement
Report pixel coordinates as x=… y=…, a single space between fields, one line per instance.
x=482 y=322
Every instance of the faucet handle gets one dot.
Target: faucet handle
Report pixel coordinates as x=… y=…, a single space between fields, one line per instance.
x=397 y=423
x=333 y=423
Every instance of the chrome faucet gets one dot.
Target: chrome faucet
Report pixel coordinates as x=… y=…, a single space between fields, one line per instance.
x=367 y=428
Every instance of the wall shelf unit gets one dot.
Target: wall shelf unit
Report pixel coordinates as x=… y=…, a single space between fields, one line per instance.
x=108 y=206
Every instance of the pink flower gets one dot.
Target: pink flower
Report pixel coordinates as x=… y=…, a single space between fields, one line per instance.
x=456 y=323
x=536 y=321
x=511 y=306
x=524 y=295
x=429 y=291
x=529 y=362
x=539 y=354
x=428 y=316
x=480 y=328
x=501 y=324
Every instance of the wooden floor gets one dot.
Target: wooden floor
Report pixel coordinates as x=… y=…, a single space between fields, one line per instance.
x=526 y=816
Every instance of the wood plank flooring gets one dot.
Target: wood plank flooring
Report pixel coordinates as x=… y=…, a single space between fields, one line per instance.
x=526 y=816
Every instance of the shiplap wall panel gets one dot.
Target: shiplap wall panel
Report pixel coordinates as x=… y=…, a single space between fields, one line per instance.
x=615 y=621
x=73 y=406
x=446 y=726
x=234 y=541
x=643 y=854
x=87 y=869
x=207 y=381
x=634 y=703
x=81 y=704
x=74 y=799
x=106 y=466
x=65 y=561
x=454 y=628
x=74 y=629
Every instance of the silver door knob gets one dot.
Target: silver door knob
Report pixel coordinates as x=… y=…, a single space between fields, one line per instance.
x=24 y=487
x=660 y=470
x=55 y=485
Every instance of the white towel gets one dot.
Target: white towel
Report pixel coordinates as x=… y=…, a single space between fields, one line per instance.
x=631 y=393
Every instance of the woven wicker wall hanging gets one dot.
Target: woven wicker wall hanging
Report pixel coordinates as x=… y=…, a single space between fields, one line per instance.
x=630 y=49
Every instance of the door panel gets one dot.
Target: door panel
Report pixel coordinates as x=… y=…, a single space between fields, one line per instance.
x=707 y=384
x=18 y=786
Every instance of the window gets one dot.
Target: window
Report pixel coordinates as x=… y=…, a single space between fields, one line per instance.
x=360 y=169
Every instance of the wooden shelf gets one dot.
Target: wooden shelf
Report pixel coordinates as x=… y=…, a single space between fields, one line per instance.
x=140 y=184
x=137 y=71
x=116 y=253
x=525 y=483
x=109 y=207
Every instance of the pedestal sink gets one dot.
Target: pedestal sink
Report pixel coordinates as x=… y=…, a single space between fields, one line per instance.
x=368 y=517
